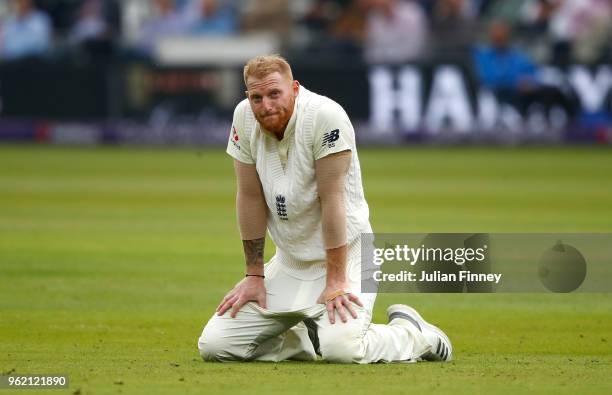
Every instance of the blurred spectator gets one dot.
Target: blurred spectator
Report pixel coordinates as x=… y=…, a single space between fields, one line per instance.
x=346 y=33
x=536 y=14
x=90 y=23
x=336 y=26
x=454 y=28
x=167 y=21
x=324 y=13
x=581 y=28
x=502 y=67
x=93 y=31
x=267 y=15
x=512 y=76
x=535 y=23
x=576 y=29
x=26 y=32
x=396 y=31
x=451 y=11
x=212 y=17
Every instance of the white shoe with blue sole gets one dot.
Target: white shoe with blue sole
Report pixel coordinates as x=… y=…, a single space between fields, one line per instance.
x=441 y=347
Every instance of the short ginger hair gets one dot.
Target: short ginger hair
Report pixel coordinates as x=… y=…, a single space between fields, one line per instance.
x=261 y=66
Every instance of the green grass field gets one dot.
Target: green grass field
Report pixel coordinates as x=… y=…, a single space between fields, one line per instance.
x=112 y=260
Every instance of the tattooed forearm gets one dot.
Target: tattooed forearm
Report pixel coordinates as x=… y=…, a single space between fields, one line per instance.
x=253 y=251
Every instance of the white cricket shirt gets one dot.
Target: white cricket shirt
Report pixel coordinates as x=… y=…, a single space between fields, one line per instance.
x=318 y=127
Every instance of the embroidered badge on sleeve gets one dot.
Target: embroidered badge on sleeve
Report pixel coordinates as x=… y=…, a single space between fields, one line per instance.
x=235 y=138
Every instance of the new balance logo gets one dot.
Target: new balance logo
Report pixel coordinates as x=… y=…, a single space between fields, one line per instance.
x=330 y=138
x=281 y=207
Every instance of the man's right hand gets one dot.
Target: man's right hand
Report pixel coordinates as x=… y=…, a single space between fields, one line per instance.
x=247 y=290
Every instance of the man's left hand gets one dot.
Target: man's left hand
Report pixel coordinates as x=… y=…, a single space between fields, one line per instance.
x=336 y=298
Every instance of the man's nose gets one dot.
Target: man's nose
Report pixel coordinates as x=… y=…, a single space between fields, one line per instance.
x=267 y=103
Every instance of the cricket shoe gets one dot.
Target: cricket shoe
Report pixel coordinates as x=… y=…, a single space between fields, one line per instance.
x=441 y=347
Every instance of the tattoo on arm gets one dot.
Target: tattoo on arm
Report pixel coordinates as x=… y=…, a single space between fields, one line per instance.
x=253 y=251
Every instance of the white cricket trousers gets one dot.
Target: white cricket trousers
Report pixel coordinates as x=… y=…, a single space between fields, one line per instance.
x=278 y=333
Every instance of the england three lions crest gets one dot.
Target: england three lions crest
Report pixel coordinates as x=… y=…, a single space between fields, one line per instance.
x=281 y=208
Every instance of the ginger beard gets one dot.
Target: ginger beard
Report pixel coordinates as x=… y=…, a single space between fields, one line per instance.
x=272 y=99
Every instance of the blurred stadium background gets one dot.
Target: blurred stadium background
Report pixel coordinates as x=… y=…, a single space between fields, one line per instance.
x=169 y=71
x=115 y=246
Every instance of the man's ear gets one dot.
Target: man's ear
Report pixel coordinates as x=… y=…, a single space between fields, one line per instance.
x=296 y=87
x=246 y=93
